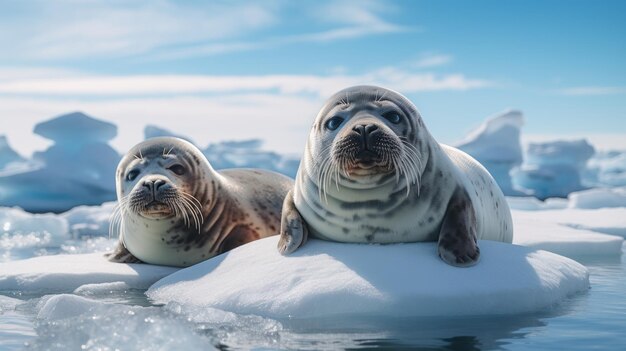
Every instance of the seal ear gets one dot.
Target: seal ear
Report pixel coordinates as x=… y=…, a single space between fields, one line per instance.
x=293 y=229
x=458 y=244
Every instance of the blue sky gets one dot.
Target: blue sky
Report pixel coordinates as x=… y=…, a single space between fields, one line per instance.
x=232 y=70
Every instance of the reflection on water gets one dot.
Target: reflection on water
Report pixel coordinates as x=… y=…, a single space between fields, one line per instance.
x=15 y=330
x=468 y=333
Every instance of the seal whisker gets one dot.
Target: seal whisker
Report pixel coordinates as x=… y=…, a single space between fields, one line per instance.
x=115 y=220
x=192 y=208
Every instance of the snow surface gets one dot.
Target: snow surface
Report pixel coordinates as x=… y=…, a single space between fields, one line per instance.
x=534 y=230
x=496 y=144
x=604 y=220
x=598 y=198
x=89 y=220
x=325 y=279
x=65 y=273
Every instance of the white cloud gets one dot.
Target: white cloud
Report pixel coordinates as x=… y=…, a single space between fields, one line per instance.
x=593 y=90
x=19 y=73
x=348 y=19
x=78 y=29
x=137 y=85
x=432 y=60
x=165 y=29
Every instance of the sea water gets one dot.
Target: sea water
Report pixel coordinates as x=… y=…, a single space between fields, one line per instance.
x=126 y=320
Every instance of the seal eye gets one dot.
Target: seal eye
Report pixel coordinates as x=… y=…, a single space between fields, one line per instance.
x=392 y=116
x=177 y=169
x=132 y=175
x=334 y=123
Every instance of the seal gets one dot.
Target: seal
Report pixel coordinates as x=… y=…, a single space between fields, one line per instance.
x=174 y=209
x=372 y=173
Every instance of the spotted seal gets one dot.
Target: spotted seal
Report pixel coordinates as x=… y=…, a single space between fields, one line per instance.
x=174 y=209
x=372 y=173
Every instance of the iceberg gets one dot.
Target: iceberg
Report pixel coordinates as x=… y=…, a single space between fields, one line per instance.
x=606 y=169
x=8 y=156
x=496 y=145
x=554 y=169
x=78 y=169
x=326 y=279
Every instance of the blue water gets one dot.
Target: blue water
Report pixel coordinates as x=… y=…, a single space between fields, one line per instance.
x=592 y=320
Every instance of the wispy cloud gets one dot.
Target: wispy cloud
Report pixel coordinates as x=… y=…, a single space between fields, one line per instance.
x=68 y=29
x=432 y=60
x=593 y=90
x=145 y=85
x=347 y=20
x=76 y=29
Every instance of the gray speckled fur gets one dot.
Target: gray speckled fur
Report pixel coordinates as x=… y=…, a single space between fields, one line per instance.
x=238 y=206
x=457 y=202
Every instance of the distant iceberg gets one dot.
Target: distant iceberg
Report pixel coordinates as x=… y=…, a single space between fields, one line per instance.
x=496 y=145
x=78 y=169
x=606 y=169
x=554 y=169
x=237 y=154
x=8 y=156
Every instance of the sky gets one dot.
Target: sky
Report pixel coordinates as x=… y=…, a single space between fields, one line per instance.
x=261 y=69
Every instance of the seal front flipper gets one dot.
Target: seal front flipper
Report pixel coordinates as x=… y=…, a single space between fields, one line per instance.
x=121 y=255
x=458 y=244
x=293 y=230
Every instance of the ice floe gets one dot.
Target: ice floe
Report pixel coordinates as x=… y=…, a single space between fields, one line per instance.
x=332 y=279
x=65 y=273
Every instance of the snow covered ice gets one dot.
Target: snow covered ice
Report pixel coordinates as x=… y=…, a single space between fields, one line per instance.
x=324 y=279
x=65 y=273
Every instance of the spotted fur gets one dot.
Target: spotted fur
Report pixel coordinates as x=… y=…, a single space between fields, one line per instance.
x=232 y=207
x=407 y=187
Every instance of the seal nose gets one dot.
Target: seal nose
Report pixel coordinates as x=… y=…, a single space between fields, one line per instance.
x=367 y=132
x=153 y=185
x=158 y=183
x=148 y=184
